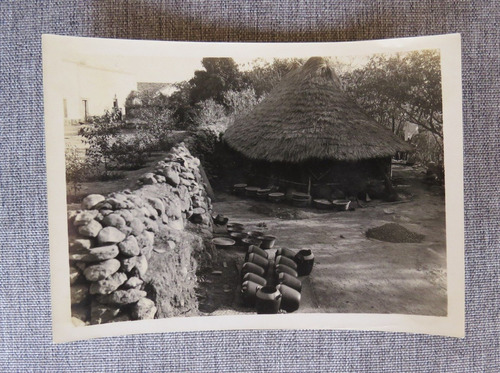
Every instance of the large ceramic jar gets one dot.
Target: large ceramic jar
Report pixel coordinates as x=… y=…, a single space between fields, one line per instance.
x=259 y=260
x=305 y=262
x=252 y=268
x=268 y=300
x=290 y=300
x=289 y=280
x=249 y=292
x=280 y=259
x=283 y=251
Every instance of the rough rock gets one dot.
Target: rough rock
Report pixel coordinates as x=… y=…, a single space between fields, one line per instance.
x=117 y=202
x=129 y=246
x=136 y=200
x=80 y=244
x=101 y=313
x=126 y=215
x=100 y=253
x=101 y=270
x=139 y=263
x=144 y=309
x=146 y=239
x=137 y=226
x=109 y=284
x=85 y=217
x=114 y=220
x=157 y=205
x=133 y=282
x=91 y=230
x=151 y=225
x=74 y=275
x=91 y=200
x=148 y=178
x=161 y=178
x=110 y=235
x=79 y=293
x=171 y=176
x=176 y=224
x=122 y=297
x=126 y=231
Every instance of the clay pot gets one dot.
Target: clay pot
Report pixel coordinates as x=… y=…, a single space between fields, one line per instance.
x=238 y=236
x=290 y=300
x=276 y=197
x=250 y=241
x=340 y=205
x=288 y=280
x=322 y=204
x=252 y=268
x=239 y=189
x=286 y=269
x=259 y=260
x=248 y=292
x=305 y=262
x=286 y=261
x=263 y=193
x=268 y=300
x=251 y=191
x=267 y=242
x=249 y=276
x=285 y=252
x=257 y=250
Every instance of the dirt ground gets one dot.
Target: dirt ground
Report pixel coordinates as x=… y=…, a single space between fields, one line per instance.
x=352 y=273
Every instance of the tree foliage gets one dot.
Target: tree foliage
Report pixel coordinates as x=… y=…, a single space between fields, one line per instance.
x=263 y=76
x=399 y=89
x=219 y=76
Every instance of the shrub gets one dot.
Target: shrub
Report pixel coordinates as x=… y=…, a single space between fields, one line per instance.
x=76 y=170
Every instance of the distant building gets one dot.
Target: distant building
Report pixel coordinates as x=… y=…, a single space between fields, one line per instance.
x=91 y=90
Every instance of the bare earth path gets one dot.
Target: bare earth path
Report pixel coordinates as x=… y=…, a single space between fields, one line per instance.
x=354 y=274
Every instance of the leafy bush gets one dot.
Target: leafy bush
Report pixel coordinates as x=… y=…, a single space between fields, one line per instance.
x=76 y=170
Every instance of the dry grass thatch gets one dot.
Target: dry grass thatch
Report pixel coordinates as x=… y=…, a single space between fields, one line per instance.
x=308 y=116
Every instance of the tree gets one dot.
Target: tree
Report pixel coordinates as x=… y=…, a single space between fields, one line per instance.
x=220 y=75
x=263 y=76
x=400 y=89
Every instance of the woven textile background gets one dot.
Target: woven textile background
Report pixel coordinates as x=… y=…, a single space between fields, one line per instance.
x=25 y=314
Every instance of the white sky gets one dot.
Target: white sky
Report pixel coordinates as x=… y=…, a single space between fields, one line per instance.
x=167 y=69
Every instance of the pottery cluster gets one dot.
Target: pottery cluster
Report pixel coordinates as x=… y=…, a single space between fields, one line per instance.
x=111 y=239
x=296 y=199
x=273 y=284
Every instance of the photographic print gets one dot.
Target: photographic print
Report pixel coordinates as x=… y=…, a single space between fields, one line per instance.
x=198 y=186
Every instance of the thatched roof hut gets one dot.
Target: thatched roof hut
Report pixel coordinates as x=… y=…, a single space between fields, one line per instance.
x=307 y=116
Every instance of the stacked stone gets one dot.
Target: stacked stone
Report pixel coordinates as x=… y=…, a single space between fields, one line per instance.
x=181 y=172
x=112 y=238
x=111 y=242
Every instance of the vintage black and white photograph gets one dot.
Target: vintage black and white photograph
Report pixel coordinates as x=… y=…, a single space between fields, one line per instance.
x=213 y=185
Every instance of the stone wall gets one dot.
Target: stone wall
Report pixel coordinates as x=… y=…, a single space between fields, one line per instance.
x=134 y=254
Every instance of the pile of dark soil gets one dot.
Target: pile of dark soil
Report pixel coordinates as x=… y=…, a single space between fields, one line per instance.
x=394 y=233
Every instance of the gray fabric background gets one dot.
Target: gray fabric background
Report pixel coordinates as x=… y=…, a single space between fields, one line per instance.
x=25 y=315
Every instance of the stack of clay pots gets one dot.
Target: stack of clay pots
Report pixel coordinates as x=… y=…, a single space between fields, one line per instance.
x=270 y=286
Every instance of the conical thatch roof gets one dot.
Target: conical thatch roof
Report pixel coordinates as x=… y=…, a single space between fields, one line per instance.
x=308 y=116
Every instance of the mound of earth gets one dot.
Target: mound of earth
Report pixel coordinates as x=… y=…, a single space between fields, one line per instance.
x=394 y=233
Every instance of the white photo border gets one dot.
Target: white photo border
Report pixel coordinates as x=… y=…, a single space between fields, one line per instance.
x=55 y=48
